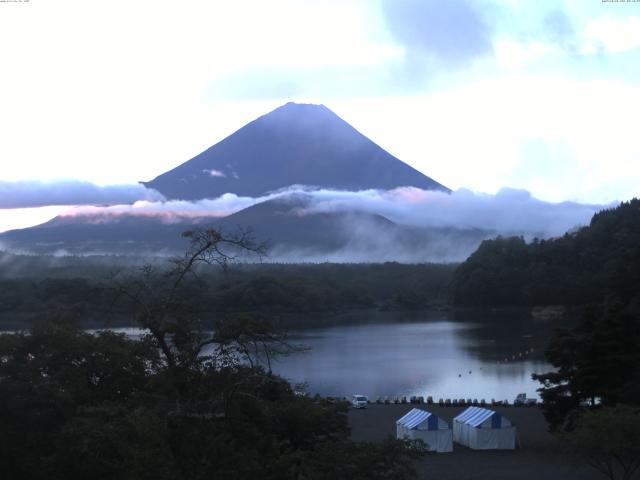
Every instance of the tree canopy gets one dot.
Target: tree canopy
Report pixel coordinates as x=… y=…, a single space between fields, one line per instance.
x=578 y=268
x=597 y=363
x=608 y=439
x=180 y=402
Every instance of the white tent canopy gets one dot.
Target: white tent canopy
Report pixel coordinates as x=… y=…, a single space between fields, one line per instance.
x=431 y=429
x=483 y=429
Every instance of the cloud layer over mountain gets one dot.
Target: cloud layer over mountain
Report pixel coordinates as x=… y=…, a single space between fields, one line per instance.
x=27 y=194
x=172 y=209
x=509 y=211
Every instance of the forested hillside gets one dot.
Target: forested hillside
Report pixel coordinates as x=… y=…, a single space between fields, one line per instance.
x=579 y=268
x=37 y=287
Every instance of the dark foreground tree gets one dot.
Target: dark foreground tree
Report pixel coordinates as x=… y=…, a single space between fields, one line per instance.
x=49 y=377
x=180 y=403
x=608 y=439
x=592 y=400
x=597 y=362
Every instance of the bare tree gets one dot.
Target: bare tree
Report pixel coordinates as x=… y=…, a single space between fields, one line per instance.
x=162 y=303
x=253 y=340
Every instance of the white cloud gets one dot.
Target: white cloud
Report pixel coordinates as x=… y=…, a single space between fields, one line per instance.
x=220 y=207
x=215 y=173
x=509 y=211
x=115 y=93
x=478 y=135
x=436 y=219
x=26 y=194
x=613 y=34
x=12 y=218
x=513 y=55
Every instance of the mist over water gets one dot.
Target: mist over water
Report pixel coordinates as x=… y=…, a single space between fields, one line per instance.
x=369 y=244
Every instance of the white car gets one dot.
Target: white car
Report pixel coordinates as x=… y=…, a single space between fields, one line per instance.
x=359 y=401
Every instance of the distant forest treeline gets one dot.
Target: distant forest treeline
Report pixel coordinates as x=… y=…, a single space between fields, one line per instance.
x=37 y=287
x=579 y=268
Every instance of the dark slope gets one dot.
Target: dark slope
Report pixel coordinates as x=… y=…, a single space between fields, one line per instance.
x=123 y=234
x=296 y=144
x=284 y=222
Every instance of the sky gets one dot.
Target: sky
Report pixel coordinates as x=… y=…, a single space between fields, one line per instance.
x=479 y=95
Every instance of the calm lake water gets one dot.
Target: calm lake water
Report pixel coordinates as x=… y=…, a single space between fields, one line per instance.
x=473 y=354
x=441 y=355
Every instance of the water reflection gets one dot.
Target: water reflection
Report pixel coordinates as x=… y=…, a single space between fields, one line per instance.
x=463 y=354
x=444 y=357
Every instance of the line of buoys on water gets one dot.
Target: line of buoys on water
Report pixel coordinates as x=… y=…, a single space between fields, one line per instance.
x=517 y=356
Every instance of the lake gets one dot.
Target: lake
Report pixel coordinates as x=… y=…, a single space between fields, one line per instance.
x=462 y=354
x=468 y=355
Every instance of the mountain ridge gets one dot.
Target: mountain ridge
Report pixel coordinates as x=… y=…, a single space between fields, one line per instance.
x=295 y=144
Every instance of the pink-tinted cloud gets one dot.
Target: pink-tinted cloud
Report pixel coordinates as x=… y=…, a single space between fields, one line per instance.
x=167 y=210
x=509 y=211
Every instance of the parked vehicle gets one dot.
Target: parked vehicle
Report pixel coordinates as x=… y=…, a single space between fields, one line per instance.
x=359 y=401
x=521 y=399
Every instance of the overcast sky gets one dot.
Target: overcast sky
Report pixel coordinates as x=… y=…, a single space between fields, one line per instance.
x=542 y=96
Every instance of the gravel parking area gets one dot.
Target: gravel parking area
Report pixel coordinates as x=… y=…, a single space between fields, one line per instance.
x=539 y=458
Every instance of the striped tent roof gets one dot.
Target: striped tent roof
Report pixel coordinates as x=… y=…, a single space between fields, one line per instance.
x=475 y=416
x=415 y=417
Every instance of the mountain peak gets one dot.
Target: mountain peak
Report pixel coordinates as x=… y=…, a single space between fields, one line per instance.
x=295 y=144
x=295 y=105
x=302 y=112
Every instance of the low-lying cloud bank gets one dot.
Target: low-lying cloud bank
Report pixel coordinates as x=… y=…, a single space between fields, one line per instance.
x=171 y=210
x=437 y=227
x=27 y=194
x=509 y=211
x=427 y=225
